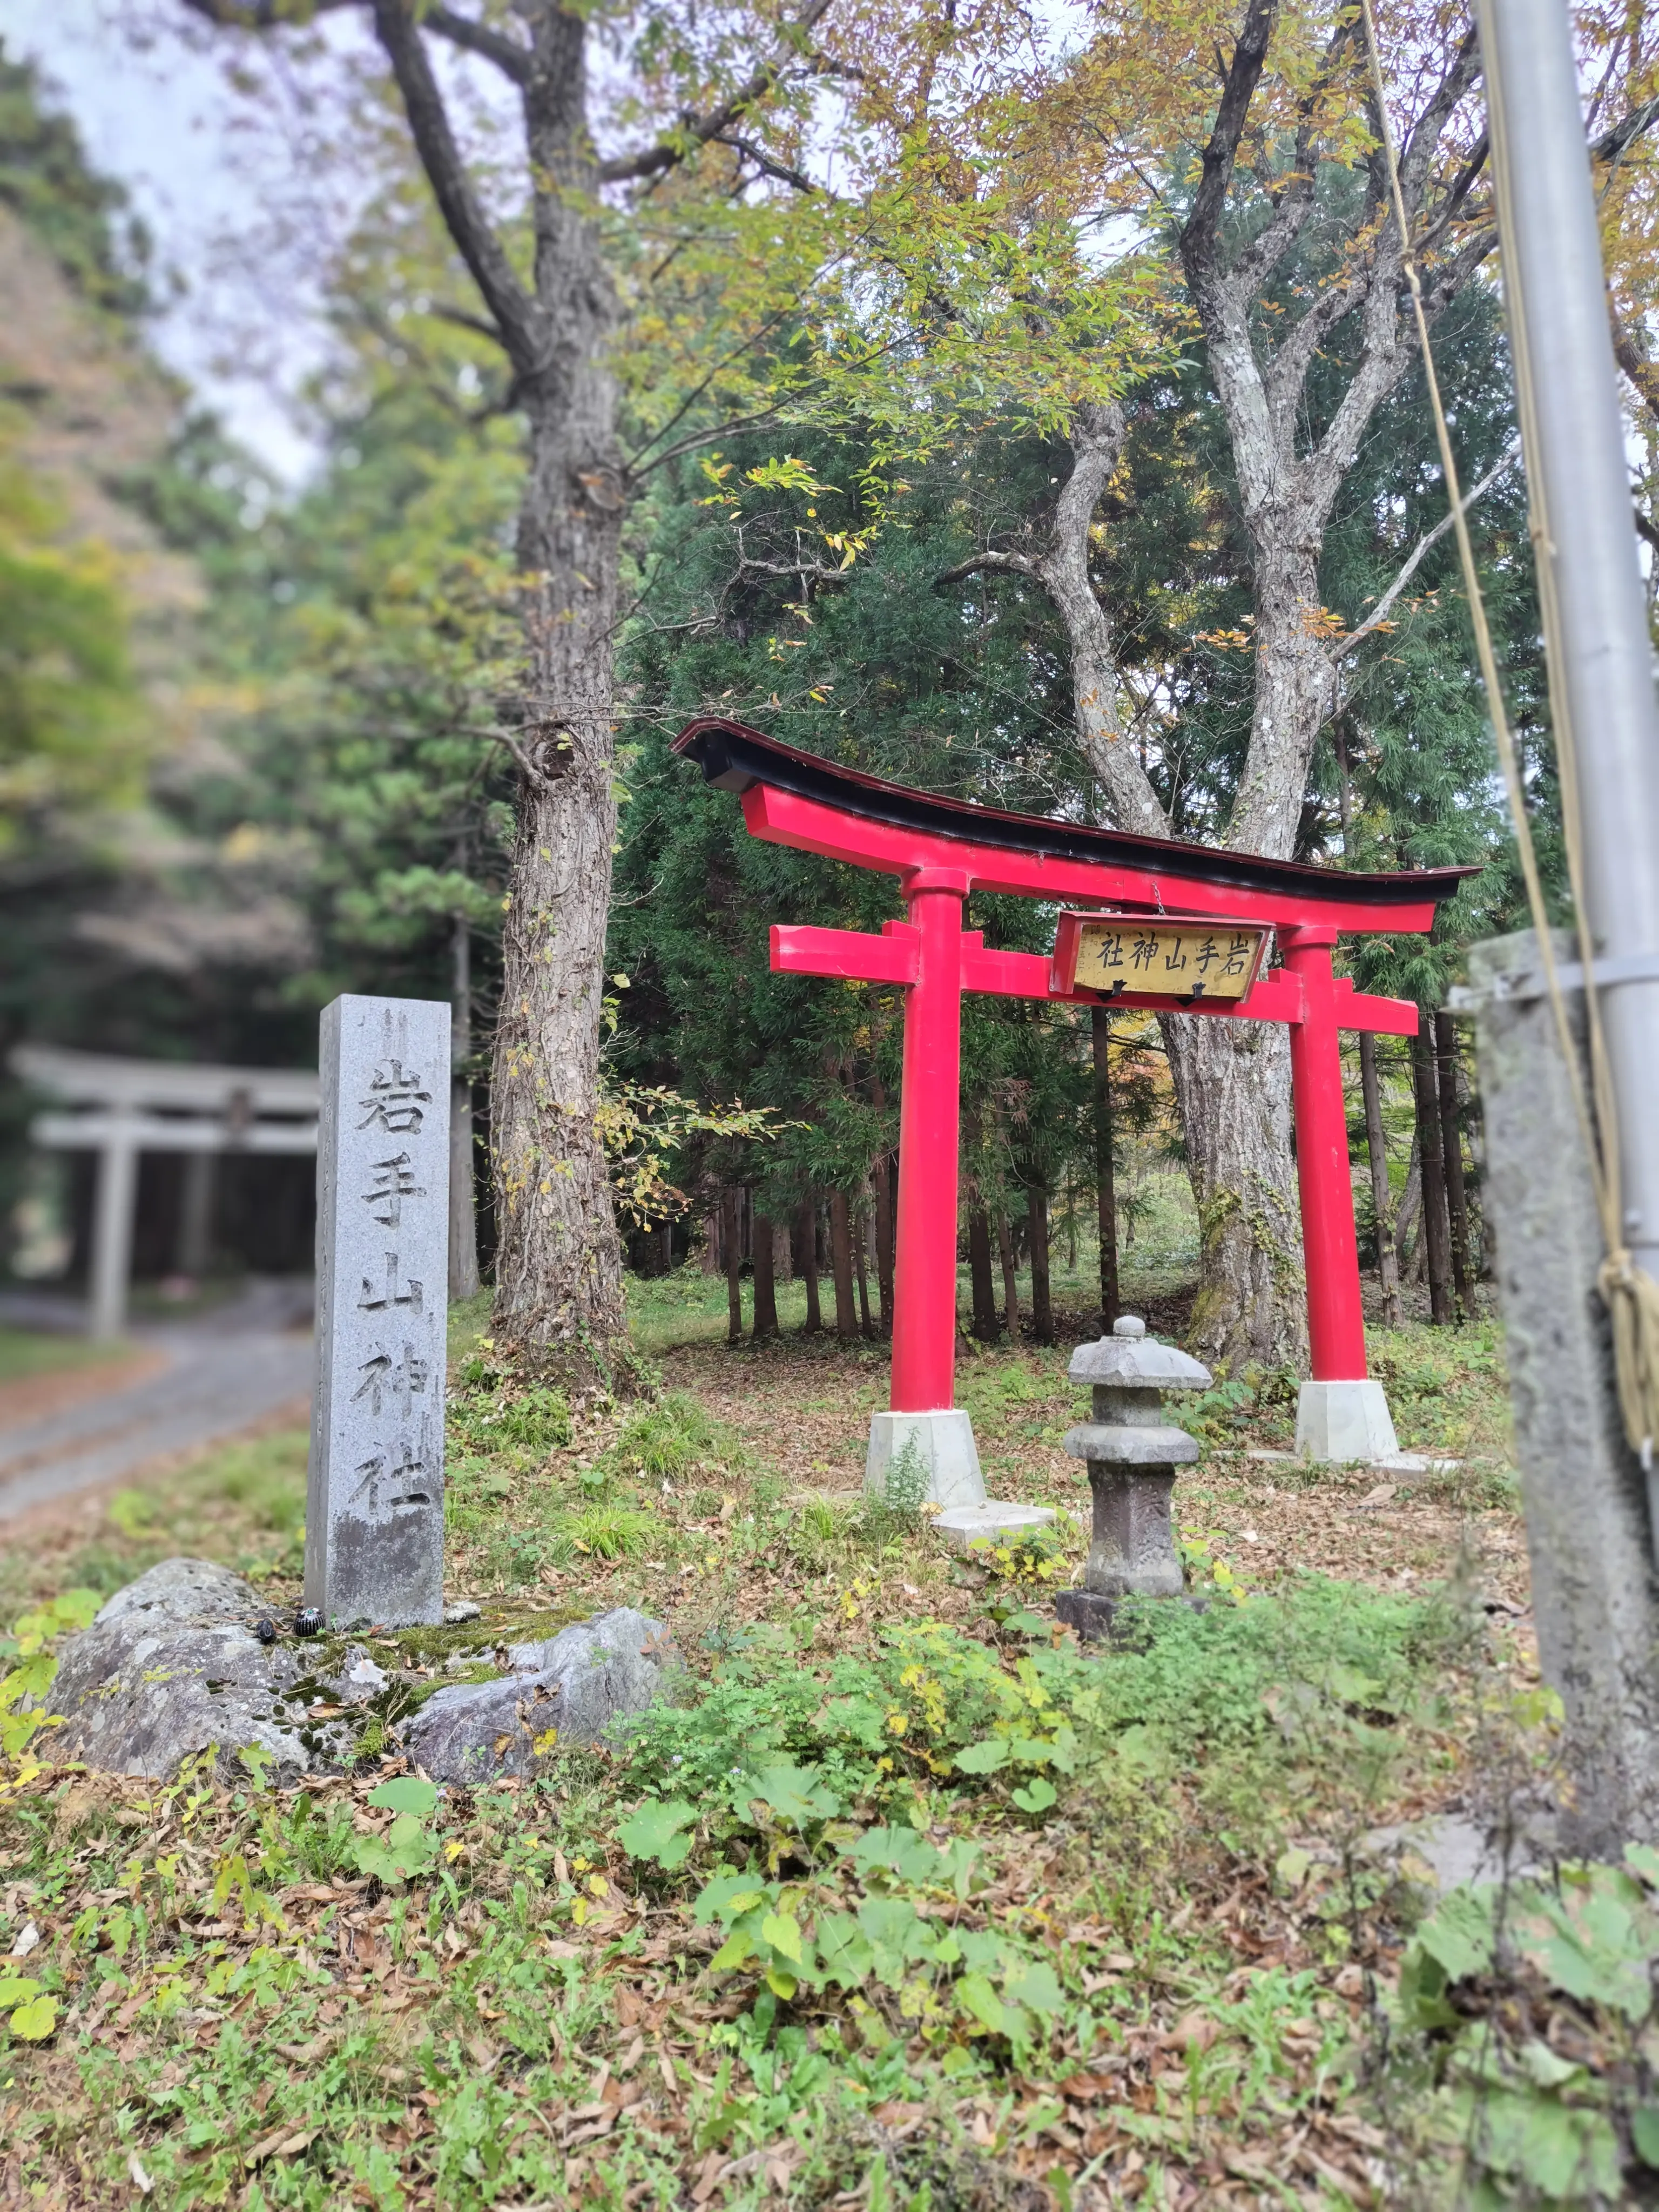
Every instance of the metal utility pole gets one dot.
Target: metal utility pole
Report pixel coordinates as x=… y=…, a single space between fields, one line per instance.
x=1590 y=1514
x=1574 y=442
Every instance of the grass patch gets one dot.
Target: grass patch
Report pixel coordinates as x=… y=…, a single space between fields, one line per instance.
x=25 y=1353
x=242 y=1503
x=911 y=1901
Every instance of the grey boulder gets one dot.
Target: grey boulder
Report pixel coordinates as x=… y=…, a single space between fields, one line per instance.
x=170 y=1667
x=579 y=1683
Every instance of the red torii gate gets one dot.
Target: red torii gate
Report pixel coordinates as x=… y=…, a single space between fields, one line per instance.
x=942 y=848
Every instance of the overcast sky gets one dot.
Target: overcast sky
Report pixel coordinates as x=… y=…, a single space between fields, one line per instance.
x=161 y=123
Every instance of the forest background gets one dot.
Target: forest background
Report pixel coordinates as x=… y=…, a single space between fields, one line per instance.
x=257 y=748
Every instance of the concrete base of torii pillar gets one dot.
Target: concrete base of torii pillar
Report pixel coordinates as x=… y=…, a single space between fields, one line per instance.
x=1337 y=1423
x=939 y=1446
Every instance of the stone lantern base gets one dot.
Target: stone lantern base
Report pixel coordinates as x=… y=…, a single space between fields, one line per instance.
x=1086 y=1611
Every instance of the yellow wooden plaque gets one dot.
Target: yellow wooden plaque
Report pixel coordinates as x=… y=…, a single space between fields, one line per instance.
x=1182 y=959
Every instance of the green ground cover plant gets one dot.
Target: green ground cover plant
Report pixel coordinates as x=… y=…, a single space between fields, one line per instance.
x=850 y=1921
x=909 y=1901
x=1530 y=2009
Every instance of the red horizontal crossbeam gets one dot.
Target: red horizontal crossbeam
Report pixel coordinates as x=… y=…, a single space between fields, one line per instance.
x=1364 y=1010
x=855 y=956
x=851 y=954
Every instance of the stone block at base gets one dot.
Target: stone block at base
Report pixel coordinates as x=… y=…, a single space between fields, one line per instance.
x=1092 y=1613
x=944 y=1443
x=1410 y=1467
x=1087 y=1611
x=963 y=1525
x=1338 y=1423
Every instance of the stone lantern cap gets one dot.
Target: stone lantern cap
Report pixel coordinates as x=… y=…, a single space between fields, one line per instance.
x=1130 y=1360
x=1128 y=1371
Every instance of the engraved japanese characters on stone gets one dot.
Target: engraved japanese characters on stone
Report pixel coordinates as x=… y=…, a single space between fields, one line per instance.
x=379 y=1297
x=396 y=1480
x=392 y=1181
x=388 y=1379
x=395 y=1100
x=374 y=1512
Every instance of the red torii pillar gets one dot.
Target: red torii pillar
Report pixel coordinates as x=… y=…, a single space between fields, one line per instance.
x=1342 y=1415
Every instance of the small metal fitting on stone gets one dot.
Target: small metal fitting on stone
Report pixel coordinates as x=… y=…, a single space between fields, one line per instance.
x=1132 y=1454
x=309 y=1621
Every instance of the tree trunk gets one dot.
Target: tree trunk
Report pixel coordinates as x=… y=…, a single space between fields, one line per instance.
x=1436 y=1238
x=1451 y=1152
x=1388 y=1273
x=1232 y=1079
x=766 y=1297
x=979 y=1271
x=558 y=1267
x=1100 y=1025
x=1232 y=1085
x=732 y=1239
x=463 y=1208
x=1098 y=437
x=841 y=1267
x=1411 y=1208
x=1474 y=1121
x=882 y=1175
x=1010 y=1278
x=807 y=1262
x=866 y=1324
x=1042 y=1312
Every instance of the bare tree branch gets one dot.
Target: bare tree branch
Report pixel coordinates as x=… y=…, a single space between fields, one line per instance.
x=1455 y=272
x=821 y=572
x=698 y=131
x=1634 y=361
x=492 y=45
x=988 y=563
x=1201 y=235
x=1287 y=370
x=527 y=768
x=1424 y=545
x=1463 y=184
x=1295 y=355
x=515 y=313
x=1293 y=200
x=1420 y=146
x=1613 y=142
x=464 y=320
x=765 y=162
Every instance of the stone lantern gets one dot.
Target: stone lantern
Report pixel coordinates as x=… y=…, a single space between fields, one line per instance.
x=1132 y=1455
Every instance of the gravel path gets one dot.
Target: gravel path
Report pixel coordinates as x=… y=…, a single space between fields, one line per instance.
x=220 y=1375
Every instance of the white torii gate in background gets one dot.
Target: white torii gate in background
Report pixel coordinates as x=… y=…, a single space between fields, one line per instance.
x=126 y=1107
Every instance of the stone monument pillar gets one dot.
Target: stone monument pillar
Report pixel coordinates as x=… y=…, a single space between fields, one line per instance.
x=375 y=1502
x=1132 y=1455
